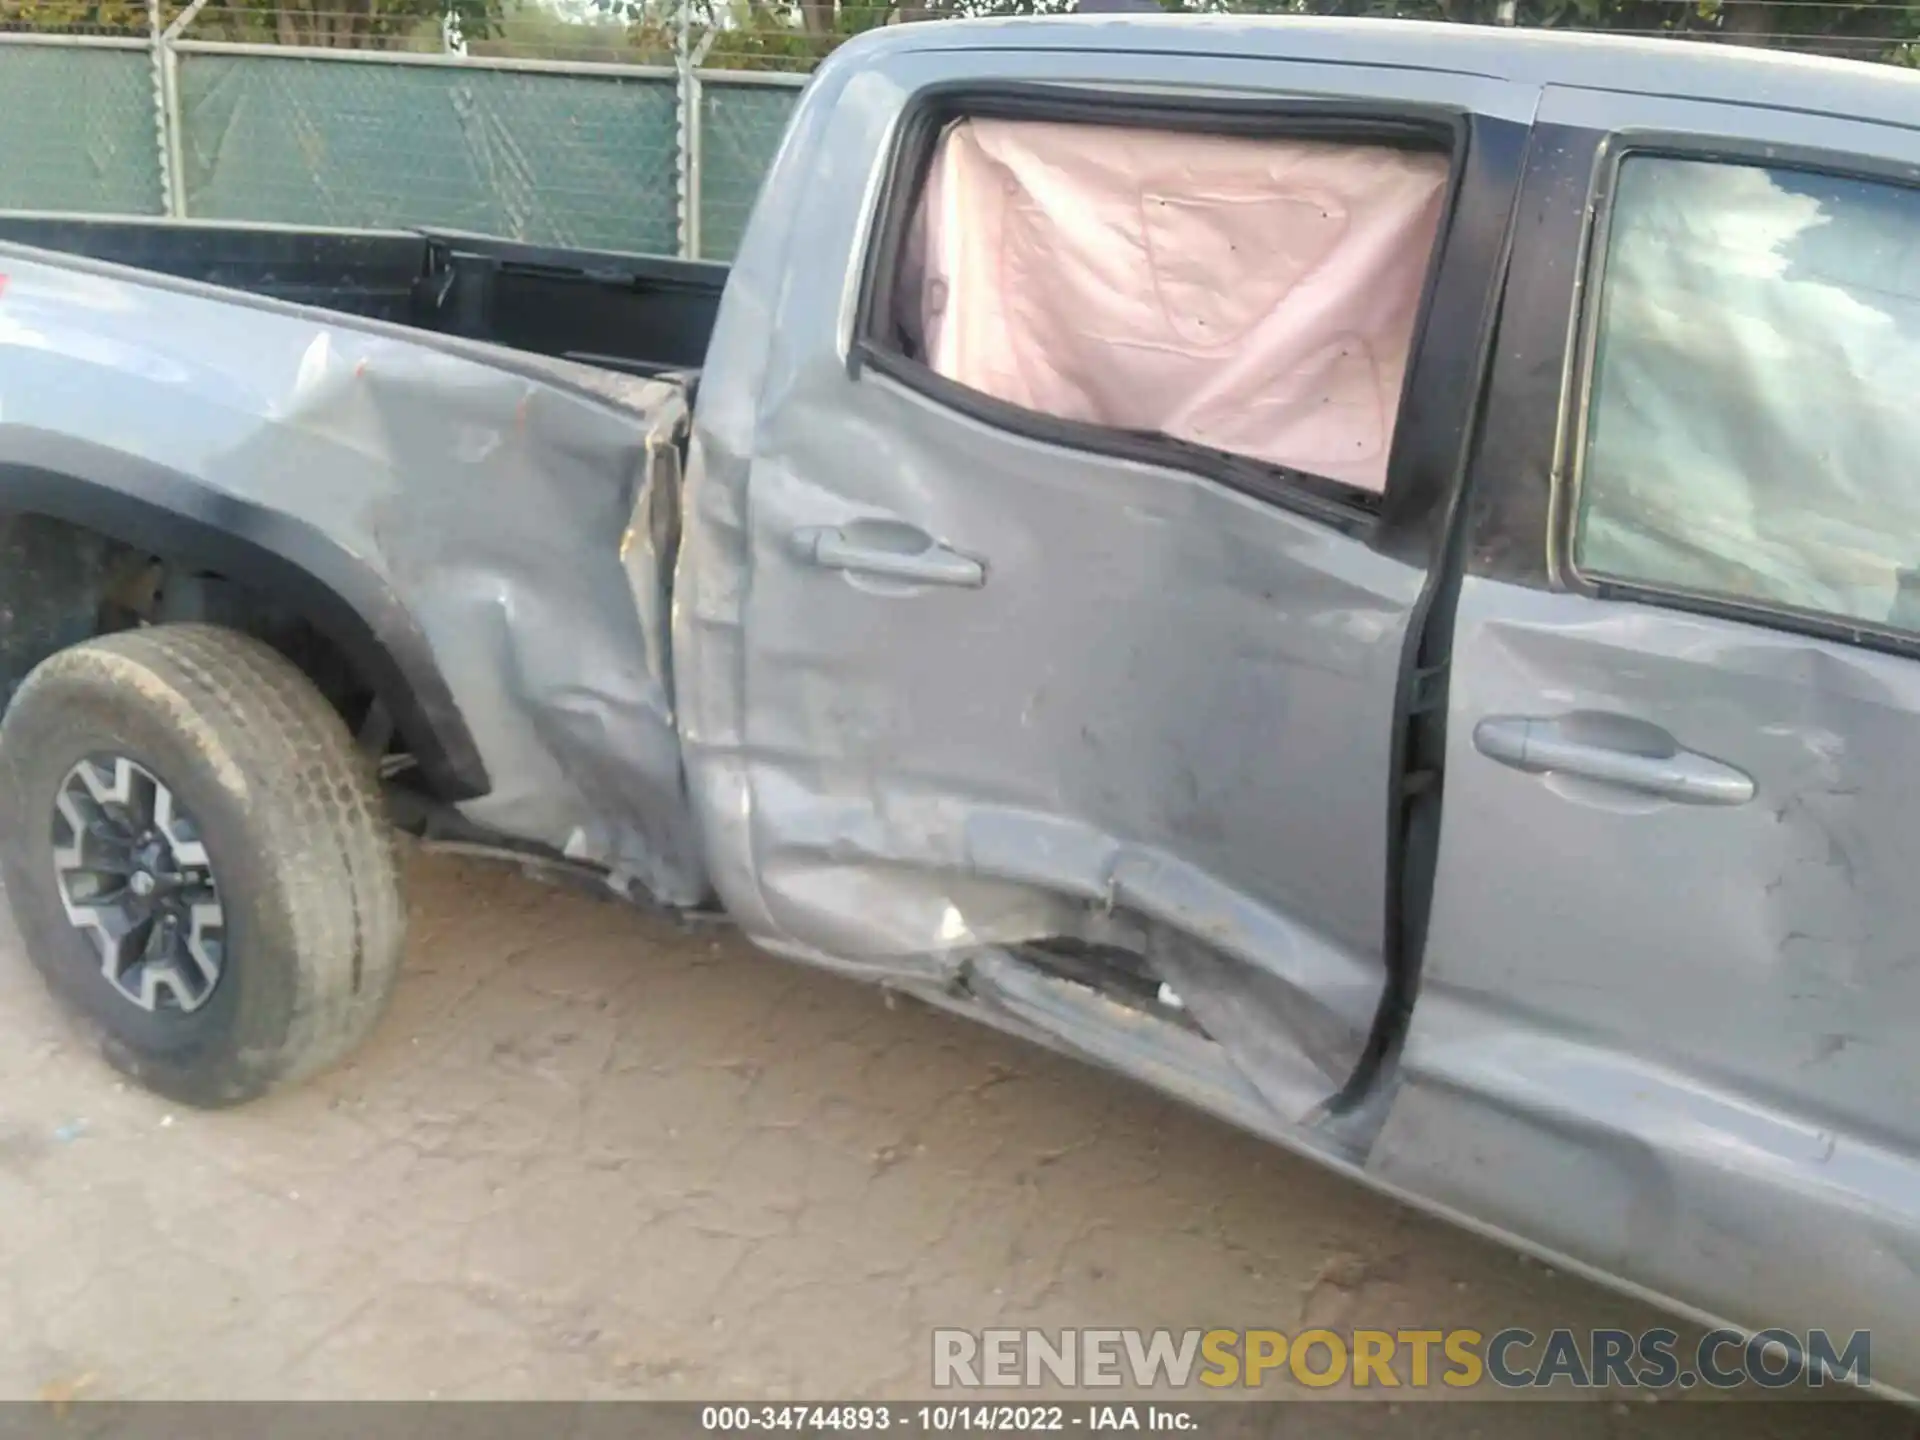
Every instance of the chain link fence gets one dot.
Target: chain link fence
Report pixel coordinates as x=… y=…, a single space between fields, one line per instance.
x=742 y=118
x=633 y=125
x=588 y=132
x=583 y=160
x=78 y=127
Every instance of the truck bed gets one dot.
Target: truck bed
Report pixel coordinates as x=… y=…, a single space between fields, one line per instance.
x=643 y=315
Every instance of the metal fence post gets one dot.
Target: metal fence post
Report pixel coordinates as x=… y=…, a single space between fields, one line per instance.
x=173 y=148
x=686 y=159
x=165 y=128
x=170 y=120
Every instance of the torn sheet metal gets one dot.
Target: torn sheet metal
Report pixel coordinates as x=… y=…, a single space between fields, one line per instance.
x=895 y=779
x=505 y=507
x=1152 y=703
x=1176 y=1060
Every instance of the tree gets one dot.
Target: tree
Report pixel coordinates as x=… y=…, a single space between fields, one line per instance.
x=764 y=34
x=75 y=17
x=1868 y=31
x=796 y=34
x=541 y=29
x=348 y=24
x=793 y=33
x=342 y=24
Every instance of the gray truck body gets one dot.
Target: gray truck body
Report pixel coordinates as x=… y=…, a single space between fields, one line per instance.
x=1666 y=1043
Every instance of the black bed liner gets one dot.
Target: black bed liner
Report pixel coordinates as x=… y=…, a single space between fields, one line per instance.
x=637 y=313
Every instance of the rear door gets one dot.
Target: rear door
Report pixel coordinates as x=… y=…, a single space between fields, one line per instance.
x=1667 y=1015
x=1004 y=680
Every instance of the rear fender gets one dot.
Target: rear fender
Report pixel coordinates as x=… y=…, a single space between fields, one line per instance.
x=162 y=512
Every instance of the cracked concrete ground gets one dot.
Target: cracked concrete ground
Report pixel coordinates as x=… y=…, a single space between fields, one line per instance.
x=590 y=1153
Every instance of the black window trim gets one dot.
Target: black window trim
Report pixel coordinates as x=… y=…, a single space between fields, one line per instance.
x=1445 y=129
x=1614 y=151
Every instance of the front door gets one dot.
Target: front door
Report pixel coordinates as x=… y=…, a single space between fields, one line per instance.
x=1007 y=680
x=1666 y=1018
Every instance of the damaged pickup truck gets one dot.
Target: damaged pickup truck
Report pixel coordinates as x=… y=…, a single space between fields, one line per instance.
x=1363 y=574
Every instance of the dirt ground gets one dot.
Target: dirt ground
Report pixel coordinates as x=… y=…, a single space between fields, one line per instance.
x=592 y=1154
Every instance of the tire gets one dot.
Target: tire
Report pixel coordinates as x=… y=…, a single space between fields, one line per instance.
x=293 y=925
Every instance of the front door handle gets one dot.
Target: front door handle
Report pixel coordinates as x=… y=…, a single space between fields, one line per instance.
x=889 y=549
x=1544 y=746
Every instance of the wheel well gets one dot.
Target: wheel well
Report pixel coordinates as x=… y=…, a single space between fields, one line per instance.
x=62 y=583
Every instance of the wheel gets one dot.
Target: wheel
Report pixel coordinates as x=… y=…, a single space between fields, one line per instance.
x=197 y=859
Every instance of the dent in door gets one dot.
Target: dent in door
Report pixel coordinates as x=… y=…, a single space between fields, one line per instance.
x=1148 y=690
x=1167 y=709
x=1671 y=1039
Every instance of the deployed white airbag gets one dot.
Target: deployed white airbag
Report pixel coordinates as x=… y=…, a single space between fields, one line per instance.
x=1251 y=295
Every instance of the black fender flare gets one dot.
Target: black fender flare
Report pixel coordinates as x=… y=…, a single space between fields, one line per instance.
x=164 y=512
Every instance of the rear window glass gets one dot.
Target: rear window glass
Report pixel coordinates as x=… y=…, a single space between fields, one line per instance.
x=1251 y=295
x=1754 y=421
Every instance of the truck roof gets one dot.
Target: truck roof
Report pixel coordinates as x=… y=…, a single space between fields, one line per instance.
x=1685 y=69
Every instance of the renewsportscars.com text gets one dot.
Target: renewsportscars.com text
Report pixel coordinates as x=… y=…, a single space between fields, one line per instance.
x=1512 y=1359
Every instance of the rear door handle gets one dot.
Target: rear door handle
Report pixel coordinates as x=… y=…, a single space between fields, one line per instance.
x=889 y=549
x=1544 y=746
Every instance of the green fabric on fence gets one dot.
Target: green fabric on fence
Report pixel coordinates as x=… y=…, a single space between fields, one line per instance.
x=78 y=130
x=581 y=160
x=741 y=128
